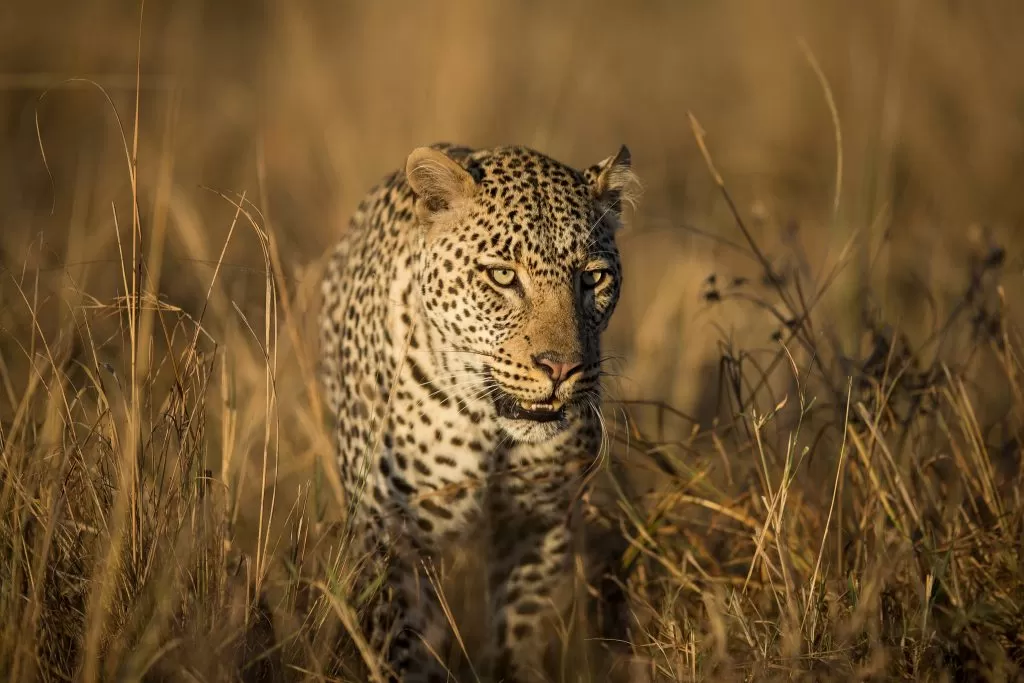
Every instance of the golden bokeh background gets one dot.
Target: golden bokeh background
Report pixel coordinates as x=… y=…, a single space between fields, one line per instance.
x=304 y=105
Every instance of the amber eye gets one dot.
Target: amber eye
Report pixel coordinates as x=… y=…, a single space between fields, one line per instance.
x=503 y=277
x=592 y=278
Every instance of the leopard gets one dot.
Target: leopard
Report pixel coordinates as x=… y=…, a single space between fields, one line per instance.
x=461 y=360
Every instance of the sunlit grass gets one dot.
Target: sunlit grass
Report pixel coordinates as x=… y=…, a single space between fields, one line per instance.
x=814 y=427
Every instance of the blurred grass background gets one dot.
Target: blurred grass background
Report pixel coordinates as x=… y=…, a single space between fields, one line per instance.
x=324 y=98
x=894 y=130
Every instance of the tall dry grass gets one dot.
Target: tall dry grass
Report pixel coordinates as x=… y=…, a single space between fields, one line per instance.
x=816 y=410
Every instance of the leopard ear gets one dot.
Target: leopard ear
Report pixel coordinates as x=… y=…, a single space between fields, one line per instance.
x=437 y=180
x=613 y=182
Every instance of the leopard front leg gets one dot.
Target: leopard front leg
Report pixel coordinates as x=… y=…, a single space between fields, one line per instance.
x=415 y=623
x=404 y=620
x=531 y=573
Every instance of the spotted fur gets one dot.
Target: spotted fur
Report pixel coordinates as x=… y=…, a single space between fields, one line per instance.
x=434 y=362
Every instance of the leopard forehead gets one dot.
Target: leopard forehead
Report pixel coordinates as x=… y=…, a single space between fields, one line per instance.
x=533 y=210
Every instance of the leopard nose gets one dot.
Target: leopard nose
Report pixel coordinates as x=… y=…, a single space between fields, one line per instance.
x=558 y=368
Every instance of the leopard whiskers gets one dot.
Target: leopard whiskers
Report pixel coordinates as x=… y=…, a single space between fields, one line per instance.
x=591 y=240
x=611 y=357
x=449 y=389
x=470 y=352
x=605 y=447
x=491 y=391
x=448 y=379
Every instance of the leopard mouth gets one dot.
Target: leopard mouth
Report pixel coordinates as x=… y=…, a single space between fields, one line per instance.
x=512 y=408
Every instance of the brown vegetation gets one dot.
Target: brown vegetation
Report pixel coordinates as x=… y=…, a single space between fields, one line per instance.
x=818 y=404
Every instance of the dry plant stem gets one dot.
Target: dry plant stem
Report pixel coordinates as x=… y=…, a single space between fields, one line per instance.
x=350 y=621
x=833 y=110
x=831 y=507
x=268 y=347
x=127 y=495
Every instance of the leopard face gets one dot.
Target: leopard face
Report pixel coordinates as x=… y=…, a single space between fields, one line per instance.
x=519 y=275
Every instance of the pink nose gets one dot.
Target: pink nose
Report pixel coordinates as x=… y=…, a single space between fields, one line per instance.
x=557 y=370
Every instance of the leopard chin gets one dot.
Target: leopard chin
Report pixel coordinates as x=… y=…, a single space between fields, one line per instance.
x=527 y=431
x=511 y=408
x=532 y=422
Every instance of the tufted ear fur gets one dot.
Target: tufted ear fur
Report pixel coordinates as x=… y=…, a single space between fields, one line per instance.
x=437 y=180
x=613 y=182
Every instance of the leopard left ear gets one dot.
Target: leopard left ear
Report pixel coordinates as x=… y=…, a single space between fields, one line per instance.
x=438 y=181
x=613 y=182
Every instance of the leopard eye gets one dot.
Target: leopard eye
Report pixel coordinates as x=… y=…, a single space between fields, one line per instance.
x=592 y=278
x=503 y=277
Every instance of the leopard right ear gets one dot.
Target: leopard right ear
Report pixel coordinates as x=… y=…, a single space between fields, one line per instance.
x=612 y=181
x=438 y=181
